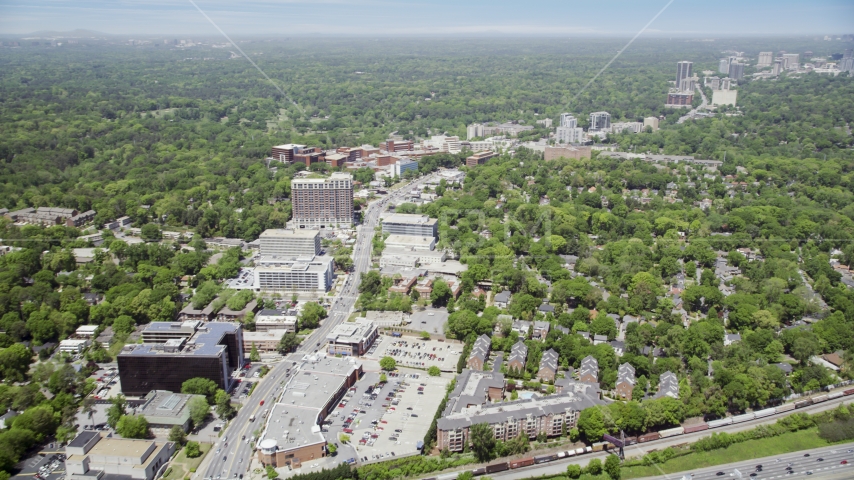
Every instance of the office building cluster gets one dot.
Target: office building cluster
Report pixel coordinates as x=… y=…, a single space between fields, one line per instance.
x=290 y=260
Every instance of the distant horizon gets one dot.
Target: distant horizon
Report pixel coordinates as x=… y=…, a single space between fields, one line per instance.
x=82 y=33
x=620 y=18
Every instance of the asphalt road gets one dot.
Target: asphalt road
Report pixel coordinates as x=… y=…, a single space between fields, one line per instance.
x=231 y=455
x=776 y=466
x=702 y=106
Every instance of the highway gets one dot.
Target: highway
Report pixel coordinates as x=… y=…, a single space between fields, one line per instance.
x=231 y=455
x=824 y=462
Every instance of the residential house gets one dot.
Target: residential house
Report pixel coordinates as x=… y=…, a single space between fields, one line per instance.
x=522 y=327
x=541 y=330
x=731 y=338
x=502 y=300
x=626 y=381
x=479 y=353
x=668 y=386
x=518 y=357
x=548 y=366
x=618 y=346
x=589 y=370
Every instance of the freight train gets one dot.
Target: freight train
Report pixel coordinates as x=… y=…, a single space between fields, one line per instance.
x=649 y=437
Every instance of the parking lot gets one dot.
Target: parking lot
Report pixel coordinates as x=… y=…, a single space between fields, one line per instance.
x=48 y=464
x=431 y=320
x=414 y=352
x=389 y=419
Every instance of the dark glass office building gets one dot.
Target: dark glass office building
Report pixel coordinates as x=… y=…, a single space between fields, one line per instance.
x=209 y=350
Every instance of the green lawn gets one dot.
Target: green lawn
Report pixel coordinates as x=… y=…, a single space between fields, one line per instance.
x=790 y=442
x=181 y=465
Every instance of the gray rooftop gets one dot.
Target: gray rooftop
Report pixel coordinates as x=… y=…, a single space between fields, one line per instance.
x=83 y=438
x=500 y=412
x=480 y=349
x=626 y=374
x=472 y=388
x=294 y=420
x=503 y=297
x=519 y=352
x=589 y=365
x=668 y=385
x=549 y=360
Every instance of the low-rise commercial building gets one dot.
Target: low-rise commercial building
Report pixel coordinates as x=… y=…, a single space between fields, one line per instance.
x=210 y=350
x=292 y=434
x=91 y=456
x=275 y=320
x=410 y=258
x=352 y=338
x=73 y=346
x=412 y=242
x=165 y=409
x=266 y=341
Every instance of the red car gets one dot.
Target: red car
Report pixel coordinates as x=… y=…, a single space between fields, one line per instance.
x=262 y=402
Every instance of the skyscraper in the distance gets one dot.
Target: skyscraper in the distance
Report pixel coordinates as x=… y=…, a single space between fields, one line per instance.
x=568 y=120
x=736 y=70
x=683 y=71
x=765 y=59
x=723 y=66
x=600 y=121
x=793 y=60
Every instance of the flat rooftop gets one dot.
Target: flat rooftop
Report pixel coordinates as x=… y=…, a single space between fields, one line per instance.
x=203 y=343
x=163 y=406
x=410 y=218
x=351 y=332
x=294 y=420
x=120 y=447
x=284 y=232
x=83 y=438
x=414 y=240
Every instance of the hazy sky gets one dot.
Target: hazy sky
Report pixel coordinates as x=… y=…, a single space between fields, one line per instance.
x=374 y=17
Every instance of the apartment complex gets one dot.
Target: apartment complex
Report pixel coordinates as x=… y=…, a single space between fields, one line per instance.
x=47 y=216
x=588 y=372
x=679 y=99
x=518 y=356
x=548 y=366
x=278 y=242
x=736 y=70
x=92 y=456
x=352 y=338
x=325 y=202
x=469 y=404
x=668 y=386
x=292 y=434
x=172 y=353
